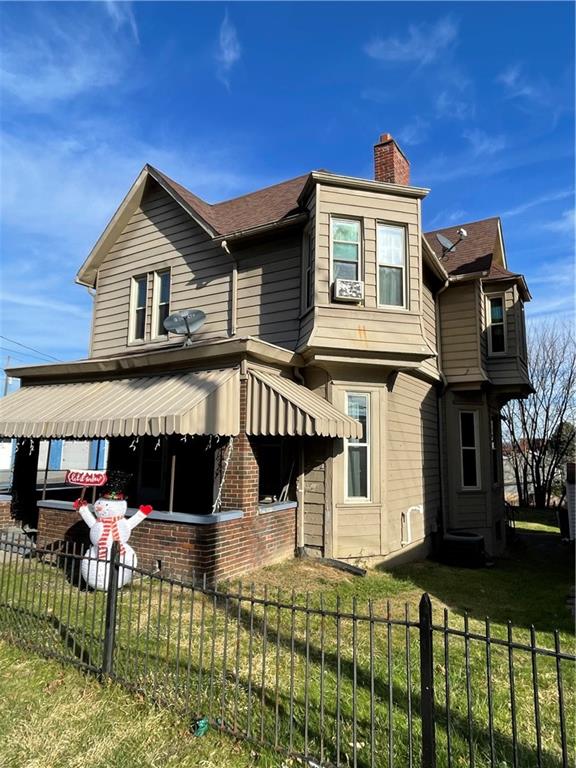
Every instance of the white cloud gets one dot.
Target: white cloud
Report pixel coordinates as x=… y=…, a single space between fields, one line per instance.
x=414 y=133
x=516 y=83
x=447 y=218
x=483 y=143
x=538 y=201
x=566 y=223
x=452 y=105
x=229 y=50
x=68 y=57
x=422 y=44
x=122 y=14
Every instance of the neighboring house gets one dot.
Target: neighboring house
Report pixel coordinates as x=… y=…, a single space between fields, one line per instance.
x=359 y=365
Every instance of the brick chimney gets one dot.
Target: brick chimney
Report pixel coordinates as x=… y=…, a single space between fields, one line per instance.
x=390 y=164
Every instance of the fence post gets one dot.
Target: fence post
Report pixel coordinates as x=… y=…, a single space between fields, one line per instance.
x=427 y=683
x=111 y=603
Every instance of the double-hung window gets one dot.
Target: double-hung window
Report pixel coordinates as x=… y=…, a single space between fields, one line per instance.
x=391 y=245
x=161 y=302
x=358 y=449
x=497 y=325
x=494 y=443
x=469 y=450
x=346 y=249
x=139 y=293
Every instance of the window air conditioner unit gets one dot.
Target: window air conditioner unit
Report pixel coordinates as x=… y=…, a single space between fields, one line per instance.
x=348 y=290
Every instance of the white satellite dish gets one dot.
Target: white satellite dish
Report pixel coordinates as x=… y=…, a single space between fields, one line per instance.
x=447 y=245
x=185 y=323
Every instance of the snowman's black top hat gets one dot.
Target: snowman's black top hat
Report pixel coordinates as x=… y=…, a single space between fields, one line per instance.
x=117 y=484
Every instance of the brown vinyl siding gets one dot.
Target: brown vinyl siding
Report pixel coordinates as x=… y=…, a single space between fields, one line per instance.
x=315 y=455
x=429 y=366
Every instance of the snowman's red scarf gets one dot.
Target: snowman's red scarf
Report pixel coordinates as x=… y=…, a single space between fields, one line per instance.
x=109 y=525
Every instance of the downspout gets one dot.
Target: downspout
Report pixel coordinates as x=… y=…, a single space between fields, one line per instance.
x=441 y=409
x=300 y=485
x=233 y=289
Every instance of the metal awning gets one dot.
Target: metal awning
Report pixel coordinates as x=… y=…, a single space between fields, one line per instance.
x=279 y=406
x=201 y=403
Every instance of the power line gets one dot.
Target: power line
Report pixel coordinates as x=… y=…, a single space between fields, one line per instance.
x=17 y=356
x=44 y=354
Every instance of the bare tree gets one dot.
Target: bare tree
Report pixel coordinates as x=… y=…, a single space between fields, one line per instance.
x=539 y=430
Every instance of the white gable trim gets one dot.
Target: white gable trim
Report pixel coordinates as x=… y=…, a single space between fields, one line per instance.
x=88 y=271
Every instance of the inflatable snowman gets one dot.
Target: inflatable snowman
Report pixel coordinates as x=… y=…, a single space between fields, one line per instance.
x=108 y=523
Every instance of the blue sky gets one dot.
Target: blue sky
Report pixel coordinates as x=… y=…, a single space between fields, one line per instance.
x=229 y=97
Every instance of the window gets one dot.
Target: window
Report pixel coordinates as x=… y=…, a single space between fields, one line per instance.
x=161 y=306
x=469 y=450
x=358 y=449
x=138 y=310
x=497 y=325
x=308 y=274
x=391 y=245
x=345 y=249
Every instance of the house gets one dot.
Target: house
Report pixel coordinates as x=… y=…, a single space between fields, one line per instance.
x=341 y=398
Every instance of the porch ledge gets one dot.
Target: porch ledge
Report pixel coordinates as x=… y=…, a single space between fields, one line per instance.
x=167 y=517
x=276 y=506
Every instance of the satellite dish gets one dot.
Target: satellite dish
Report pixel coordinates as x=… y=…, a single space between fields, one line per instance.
x=185 y=323
x=446 y=244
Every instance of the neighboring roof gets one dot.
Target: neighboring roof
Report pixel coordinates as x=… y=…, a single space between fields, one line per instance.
x=256 y=209
x=473 y=253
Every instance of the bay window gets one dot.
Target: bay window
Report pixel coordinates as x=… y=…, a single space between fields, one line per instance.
x=358 y=449
x=345 y=234
x=391 y=248
x=469 y=450
x=496 y=325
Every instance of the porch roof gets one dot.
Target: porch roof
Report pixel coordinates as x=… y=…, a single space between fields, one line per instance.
x=280 y=406
x=205 y=402
x=200 y=403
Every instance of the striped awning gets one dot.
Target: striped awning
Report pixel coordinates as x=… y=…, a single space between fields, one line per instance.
x=201 y=403
x=279 y=406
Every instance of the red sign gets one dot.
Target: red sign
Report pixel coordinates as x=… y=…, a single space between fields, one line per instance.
x=85 y=477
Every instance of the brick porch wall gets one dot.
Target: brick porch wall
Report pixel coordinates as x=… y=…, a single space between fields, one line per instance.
x=221 y=550
x=6 y=519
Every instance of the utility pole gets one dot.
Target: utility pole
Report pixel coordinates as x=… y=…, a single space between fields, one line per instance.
x=6 y=379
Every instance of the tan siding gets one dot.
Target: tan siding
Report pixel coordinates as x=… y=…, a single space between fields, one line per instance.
x=429 y=320
x=413 y=469
x=508 y=369
x=459 y=329
x=315 y=454
x=367 y=326
x=269 y=291
x=159 y=236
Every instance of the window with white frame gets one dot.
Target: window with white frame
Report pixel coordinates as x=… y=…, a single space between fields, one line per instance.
x=496 y=325
x=391 y=246
x=345 y=249
x=469 y=450
x=139 y=292
x=358 y=449
x=161 y=302
x=307 y=269
x=494 y=443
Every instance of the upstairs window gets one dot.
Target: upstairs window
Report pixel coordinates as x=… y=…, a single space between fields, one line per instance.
x=161 y=302
x=469 y=450
x=497 y=325
x=391 y=245
x=139 y=292
x=358 y=449
x=345 y=249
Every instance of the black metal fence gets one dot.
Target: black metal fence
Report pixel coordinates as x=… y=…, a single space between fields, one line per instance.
x=333 y=683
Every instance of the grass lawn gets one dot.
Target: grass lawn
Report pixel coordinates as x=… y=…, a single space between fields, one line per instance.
x=52 y=716
x=274 y=673
x=542 y=520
